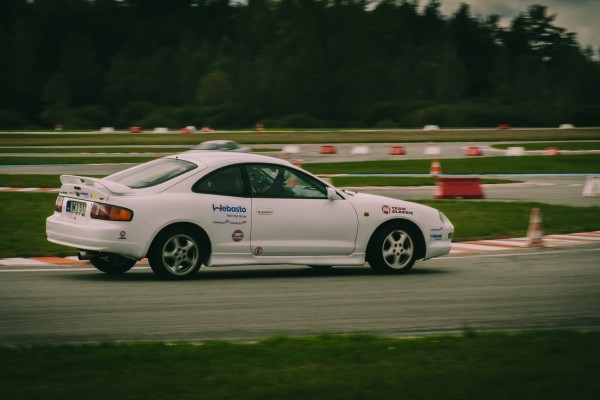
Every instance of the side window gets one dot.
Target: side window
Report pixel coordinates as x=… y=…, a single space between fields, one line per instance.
x=275 y=181
x=226 y=182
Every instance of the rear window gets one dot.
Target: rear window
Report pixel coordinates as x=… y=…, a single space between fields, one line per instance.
x=152 y=173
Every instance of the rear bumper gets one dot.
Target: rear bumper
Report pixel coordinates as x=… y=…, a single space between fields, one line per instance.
x=104 y=236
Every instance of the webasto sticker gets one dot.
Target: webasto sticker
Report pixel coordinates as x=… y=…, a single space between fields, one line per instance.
x=227 y=208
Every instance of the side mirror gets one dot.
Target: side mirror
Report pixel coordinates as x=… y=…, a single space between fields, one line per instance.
x=331 y=193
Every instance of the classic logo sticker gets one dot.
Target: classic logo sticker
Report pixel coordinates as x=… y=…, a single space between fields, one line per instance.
x=396 y=210
x=258 y=251
x=237 y=235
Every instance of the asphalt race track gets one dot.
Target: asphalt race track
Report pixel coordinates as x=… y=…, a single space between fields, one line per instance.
x=524 y=289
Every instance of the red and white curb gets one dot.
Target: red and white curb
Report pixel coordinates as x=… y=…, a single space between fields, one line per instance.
x=457 y=248
x=522 y=243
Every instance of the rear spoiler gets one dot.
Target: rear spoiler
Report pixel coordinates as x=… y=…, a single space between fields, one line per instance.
x=113 y=187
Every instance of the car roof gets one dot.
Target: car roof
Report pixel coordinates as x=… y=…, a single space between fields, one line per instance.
x=227 y=157
x=218 y=141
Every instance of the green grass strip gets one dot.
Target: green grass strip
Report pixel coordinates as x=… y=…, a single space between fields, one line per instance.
x=27 y=212
x=352 y=181
x=588 y=163
x=549 y=365
x=53 y=181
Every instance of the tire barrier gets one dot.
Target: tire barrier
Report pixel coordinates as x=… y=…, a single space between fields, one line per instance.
x=161 y=130
x=566 y=126
x=397 y=151
x=473 y=151
x=515 y=151
x=552 y=151
x=432 y=150
x=289 y=150
x=458 y=188
x=135 y=129
x=592 y=187
x=360 y=150
x=328 y=149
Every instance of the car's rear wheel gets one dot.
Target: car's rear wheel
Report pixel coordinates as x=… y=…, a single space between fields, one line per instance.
x=176 y=254
x=112 y=263
x=394 y=249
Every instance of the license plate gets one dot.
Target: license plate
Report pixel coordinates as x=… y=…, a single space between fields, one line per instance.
x=76 y=207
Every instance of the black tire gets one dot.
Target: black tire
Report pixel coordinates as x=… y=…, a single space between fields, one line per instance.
x=176 y=254
x=394 y=249
x=112 y=263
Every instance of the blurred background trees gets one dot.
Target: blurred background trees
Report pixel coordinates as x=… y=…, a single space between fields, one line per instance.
x=287 y=63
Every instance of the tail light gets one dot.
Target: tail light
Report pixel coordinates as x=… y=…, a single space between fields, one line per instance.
x=110 y=213
x=58 y=205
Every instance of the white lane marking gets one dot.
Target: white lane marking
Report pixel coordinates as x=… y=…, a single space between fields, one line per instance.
x=22 y=262
x=484 y=255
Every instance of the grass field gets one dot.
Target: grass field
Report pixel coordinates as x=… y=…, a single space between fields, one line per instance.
x=581 y=164
x=535 y=365
x=53 y=181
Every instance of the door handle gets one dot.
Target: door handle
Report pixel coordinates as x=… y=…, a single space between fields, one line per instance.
x=264 y=211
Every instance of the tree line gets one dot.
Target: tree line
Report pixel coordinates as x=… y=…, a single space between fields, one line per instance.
x=287 y=63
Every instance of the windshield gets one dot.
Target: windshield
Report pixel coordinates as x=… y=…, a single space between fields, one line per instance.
x=152 y=173
x=209 y=146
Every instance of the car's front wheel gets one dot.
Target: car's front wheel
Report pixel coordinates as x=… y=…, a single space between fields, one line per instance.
x=394 y=249
x=176 y=254
x=112 y=263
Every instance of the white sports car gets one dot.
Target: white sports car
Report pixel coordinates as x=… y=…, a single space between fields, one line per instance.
x=221 y=208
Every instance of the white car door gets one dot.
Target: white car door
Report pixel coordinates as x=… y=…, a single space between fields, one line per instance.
x=292 y=216
x=226 y=210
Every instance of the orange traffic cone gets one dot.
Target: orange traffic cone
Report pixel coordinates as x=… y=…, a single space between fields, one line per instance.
x=534 y=233
x=436 y=167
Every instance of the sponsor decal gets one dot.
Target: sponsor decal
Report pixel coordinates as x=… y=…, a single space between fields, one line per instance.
x=258 y=251
x=436 y=236
x=396 y=210
x=228 y=208
x=237 y=235
x=122 y=235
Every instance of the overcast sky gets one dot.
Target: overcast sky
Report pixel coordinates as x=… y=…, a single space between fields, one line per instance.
x=579 y=16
